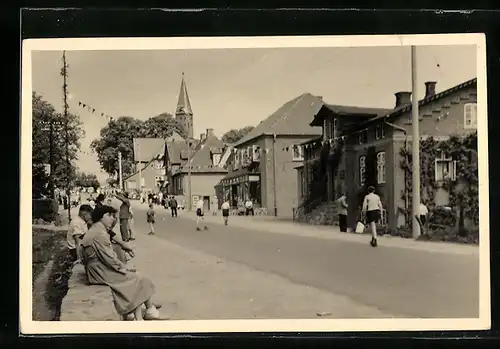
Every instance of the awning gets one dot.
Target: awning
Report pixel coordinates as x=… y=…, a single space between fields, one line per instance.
x=240 y=176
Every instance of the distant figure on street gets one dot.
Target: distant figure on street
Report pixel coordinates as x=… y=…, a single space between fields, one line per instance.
x=173 y=206
x=150 y=218
x=150 y=198
x=225 y=211
x=342 y=210
x=77 y=229
x=200 y=206
x=160 y=199
x=124 y=215
x=131 y=225
x=214 y=205
x=423 y=213
x=99 y=201
x=372 y=206
x=249 y=207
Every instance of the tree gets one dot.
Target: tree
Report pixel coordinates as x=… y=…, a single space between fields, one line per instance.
x=234 y=135
x=86 y=180
x=44 y=117
x=119 y=134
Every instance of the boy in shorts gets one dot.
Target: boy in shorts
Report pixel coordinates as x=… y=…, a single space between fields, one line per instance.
x=225 y=211
x=200 y=214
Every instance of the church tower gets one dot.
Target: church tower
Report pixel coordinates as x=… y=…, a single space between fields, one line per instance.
x=184 y=113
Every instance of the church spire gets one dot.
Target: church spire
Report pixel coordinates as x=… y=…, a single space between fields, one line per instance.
x=184 y=113
x=183 y=104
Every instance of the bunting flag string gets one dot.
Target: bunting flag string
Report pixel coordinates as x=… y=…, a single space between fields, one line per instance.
x=93 y=110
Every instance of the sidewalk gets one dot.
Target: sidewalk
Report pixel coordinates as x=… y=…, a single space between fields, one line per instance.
x=274 y=225
x=192 y=286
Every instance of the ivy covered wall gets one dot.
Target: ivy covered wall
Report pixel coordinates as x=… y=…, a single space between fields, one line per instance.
x=463 y=189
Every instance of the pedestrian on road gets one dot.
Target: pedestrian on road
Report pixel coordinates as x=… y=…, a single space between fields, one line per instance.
x=200 y=206
x=150 y=218
x=225 y=211
x=124 y=215
x=129 y=290
x=372 y=206
x=214 y=205
x=342 y=209
x=77 y=229
x=173 y=206
x=131 y=225
x=423 y=213
x=249 y=207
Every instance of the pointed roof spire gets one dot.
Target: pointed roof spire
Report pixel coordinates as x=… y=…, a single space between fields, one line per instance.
x=183 y=104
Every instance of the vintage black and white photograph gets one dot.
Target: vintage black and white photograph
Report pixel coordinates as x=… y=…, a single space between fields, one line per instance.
x=276 y=181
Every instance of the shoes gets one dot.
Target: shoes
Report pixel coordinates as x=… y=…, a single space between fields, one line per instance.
x=151 y=233
x=131 y=239
x=373 y=242
x=152 y=314
x=198 y=229
x=205 y=228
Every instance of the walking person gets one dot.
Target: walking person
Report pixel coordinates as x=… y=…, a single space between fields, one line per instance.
x=131 y=225
x=423 y=213
x=372 y=207
x=124 y=215
x=225 y=211
x=150 y=218
x=173 y=206
x=249 y=207
x=342 y=210
x=200 y=207
x=214 y=205
x=77 y=229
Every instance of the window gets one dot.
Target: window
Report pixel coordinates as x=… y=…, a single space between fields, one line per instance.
x=379 y=132
x=362 y=170
x=363 y=137
x=216 y=159
x=470 y=115
x=158 y=164
x=298 y=152
x=381 y=167
x=329 y=128
x=445 y=168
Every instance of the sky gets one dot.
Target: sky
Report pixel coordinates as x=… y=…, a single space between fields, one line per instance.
x=233 y=88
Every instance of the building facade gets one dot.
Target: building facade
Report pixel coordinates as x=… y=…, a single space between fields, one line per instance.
x=375 y=148
x=261 y=163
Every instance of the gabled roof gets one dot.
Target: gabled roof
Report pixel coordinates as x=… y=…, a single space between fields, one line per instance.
x=183 y=103
x=175 y=150
x=147 y=148
x=291 y=119
x=344 y=110
x=407 y=108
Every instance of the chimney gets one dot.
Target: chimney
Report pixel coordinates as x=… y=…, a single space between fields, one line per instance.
x=402 y=98
x=202 y=136
x=430 y=88
x=210 y=132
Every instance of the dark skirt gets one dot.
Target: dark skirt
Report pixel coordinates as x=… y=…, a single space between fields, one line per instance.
x=225 y=213
x=199 y=213
x=372 y=216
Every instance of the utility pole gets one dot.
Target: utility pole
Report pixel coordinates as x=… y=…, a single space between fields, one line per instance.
x=140 y=167
x=189 y=176
x=415 y=136
x=64 y=73
x=120 y=178
x=274 y=176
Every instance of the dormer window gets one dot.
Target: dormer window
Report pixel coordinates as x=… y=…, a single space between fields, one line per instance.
x=329 y=128
x=379 y=132
x=215 y=159
x=363 y=136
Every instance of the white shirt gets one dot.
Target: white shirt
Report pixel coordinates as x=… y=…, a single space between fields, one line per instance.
x=200 y=204
x=423 y=210
x=372 y=202
x=225 y=206
x=249 y=204
x=77 y=228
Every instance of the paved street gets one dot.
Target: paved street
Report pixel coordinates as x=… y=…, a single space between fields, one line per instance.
x=408 y=282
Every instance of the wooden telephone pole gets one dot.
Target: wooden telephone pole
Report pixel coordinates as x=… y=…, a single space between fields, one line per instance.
x=415 y=141
x=64 y=73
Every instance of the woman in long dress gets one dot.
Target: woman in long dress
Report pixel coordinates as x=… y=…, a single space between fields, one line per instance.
x=130 y=291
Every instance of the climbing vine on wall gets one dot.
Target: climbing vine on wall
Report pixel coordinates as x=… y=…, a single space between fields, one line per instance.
x=370 y=175
x=463 y=191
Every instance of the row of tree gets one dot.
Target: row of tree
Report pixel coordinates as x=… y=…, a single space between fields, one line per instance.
x=118 y=135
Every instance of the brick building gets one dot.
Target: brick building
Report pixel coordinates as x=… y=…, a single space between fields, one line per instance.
x=351 y=137
x=261 y=163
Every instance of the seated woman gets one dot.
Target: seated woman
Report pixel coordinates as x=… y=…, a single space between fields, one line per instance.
x=130 y=291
